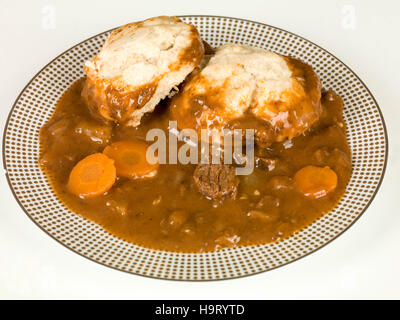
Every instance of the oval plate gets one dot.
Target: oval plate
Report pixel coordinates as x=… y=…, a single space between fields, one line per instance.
x=366 y=135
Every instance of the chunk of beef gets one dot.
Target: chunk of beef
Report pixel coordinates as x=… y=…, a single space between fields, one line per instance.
x=216 y=181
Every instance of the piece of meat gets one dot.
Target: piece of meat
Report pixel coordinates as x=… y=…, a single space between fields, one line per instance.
x=216 y=181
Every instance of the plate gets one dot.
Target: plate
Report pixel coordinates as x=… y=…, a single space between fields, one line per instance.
x=366 y=135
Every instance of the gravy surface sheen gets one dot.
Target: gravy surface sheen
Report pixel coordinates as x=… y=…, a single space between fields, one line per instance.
x=167 y=212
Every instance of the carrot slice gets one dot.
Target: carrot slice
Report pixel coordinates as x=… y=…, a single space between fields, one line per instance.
x=130 y=159
x=315 y=182
x=92 y=176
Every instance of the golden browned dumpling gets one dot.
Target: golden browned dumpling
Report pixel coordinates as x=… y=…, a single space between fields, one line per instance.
x=138 y=65
x=246 y=87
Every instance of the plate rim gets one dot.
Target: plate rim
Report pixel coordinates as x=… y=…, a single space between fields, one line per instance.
x=200 y=280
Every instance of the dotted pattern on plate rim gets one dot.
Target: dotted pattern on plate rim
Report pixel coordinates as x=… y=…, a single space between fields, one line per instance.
x=35 y=105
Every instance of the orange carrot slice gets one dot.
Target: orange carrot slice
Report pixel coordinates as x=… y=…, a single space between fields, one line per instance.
x=92 y=176
x=315 y=182
x=130 y=159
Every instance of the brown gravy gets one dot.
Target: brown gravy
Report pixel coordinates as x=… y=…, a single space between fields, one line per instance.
x=167 y=212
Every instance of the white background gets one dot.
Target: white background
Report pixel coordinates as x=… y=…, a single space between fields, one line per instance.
x=362 y=263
